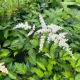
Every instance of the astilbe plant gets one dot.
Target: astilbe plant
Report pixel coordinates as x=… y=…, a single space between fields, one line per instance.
x=52 y=32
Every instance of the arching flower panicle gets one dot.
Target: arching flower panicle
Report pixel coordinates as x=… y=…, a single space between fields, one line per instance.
x=3 y=68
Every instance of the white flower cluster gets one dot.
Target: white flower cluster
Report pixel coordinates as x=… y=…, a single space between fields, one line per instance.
x=3 y=68
x=24 y=26
x=52 y=30
x=32 y=30
x=42 y=40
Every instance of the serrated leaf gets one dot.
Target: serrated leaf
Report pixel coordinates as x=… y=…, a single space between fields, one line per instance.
x=41 y=65
x=52 y=50
x=67 y=74
x=4 y=52
x=17 y=44
x=20 y=68
x=45 y=50
x=32 y=56
x=12 y=75
x=38 y=72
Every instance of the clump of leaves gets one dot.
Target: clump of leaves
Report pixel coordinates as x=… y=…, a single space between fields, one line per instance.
x=20 y=53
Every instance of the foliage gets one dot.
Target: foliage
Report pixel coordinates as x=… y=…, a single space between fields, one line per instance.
x=20 y=53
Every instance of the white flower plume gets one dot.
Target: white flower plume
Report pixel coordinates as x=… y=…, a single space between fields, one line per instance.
x=58 y=38
x=53 y=34
x=42 y=40
x=32 y=31
x=3 y=68
x=43 y=24
x=24 y=26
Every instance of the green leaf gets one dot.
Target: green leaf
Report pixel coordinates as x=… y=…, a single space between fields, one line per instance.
x=45 y=50
x=77 y=55
x=17 y=44
x=78 y=63
x=46 y=73
x=65 y=56
x=34 y=42
x=38 y=72
x=6 y=43
x=77 y=77
x=52 y=50
x=12 y=75
x=78 y=1
x=67 y=74
x=50 y=64
x=6 y=34
x=71 y=78
x=49 y=67
x=15 y=53
x=77 y=66
x=41 y=65
x=20 y=68
x=55 y=77
x=4 y=52
x=32 y=56
x=31 y=78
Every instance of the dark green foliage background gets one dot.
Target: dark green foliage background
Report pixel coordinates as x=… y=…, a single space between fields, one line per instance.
x=20 y=53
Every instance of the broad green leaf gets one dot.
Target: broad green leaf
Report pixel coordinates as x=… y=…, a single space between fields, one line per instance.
x=6 y=43
x=65 y=56
x=77 y=77
x=78 y=63
x=7 y=60
x=12 y=75
x=6 y=34
x=17 y=44
x=49 y=67
x=55 y=77
x=38 y=72
x=15 y=53
x=77 y=68
x=1 y=27
x=45 y=50
x=32 y=56
x=52 y=50
x=67 y=74
x=77 y=55
x=20 y=68
x=71 y=78
x=41 y=65
x=50 y=64
x=46 y=73
x=78 y=1
x=34 y=42
x=31 y=78
x=4 y=52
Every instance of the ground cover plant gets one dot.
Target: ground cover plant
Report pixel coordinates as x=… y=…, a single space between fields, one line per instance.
x=39 y=39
